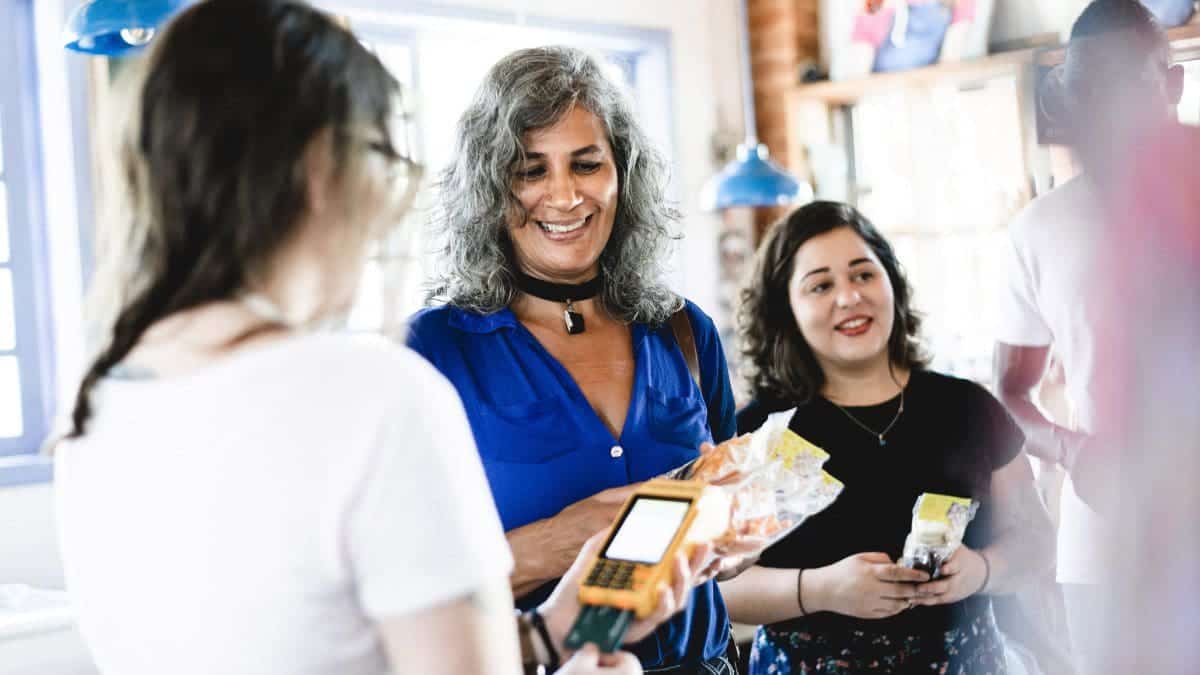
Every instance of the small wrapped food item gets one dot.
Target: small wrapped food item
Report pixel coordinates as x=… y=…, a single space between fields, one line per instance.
x=773 y=476
x=726 y=461
x=816 y=497
x=938 y=526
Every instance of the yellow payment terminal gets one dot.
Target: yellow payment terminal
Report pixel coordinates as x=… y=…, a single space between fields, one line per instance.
x=657 y=521
x=641 y=544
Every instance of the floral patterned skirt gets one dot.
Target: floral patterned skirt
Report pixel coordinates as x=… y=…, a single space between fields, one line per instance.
x=973 y=648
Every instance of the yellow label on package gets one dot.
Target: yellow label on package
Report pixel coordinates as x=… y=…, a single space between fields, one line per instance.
x=792 y=447
x=936 y=508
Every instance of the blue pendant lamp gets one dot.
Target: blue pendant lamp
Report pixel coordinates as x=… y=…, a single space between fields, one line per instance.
x=116 y=27
x=752 y=179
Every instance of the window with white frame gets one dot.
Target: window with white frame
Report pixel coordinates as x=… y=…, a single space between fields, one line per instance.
x=440 y=60
x=25 y=371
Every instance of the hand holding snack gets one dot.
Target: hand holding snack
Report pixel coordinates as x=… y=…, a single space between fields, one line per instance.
x=737 y=556
x=775 y=481
x=962 y=576
x=864 y=585
x=938 y=526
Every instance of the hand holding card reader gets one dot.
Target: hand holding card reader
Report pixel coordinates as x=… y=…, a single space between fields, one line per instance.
x=638 y=555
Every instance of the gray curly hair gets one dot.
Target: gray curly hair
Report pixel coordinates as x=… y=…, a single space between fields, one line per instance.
x=528 y=90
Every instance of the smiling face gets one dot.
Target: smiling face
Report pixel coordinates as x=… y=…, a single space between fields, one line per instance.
x=567 y=185
x=842 y=300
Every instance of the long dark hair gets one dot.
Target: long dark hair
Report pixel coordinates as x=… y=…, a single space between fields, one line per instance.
x=211 y=164
x=778 y=362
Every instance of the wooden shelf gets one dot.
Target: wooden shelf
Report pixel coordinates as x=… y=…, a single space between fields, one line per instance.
x=847 y=92
x=1185 y=43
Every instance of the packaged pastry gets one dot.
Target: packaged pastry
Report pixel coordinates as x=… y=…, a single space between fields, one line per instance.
x=938 y=526
x=774 y=478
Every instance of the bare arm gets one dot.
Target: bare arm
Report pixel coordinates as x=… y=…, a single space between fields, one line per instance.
x=1018 y=371
x=472 y=634
x=762 y=595
x=545 y=549
x=535 y=559
x=1022 y=550
x=1024 y=546
x=864 y=585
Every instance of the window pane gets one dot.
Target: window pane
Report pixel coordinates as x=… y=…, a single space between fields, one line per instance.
x=11 y=424
x=398 y=59
x=1 y=146
x=367 y=313
x=8 y=329
x=3 y=223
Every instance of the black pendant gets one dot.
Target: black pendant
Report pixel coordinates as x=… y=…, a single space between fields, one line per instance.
x=574 y=321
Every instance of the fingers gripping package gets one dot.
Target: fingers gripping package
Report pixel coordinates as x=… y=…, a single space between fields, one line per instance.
x=774 y=477
x=938 y=525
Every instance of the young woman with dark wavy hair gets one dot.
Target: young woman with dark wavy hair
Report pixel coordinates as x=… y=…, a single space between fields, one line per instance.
x=828 y=328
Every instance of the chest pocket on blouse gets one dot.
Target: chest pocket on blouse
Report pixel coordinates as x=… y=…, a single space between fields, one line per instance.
x=678 y=420
x=527 y=433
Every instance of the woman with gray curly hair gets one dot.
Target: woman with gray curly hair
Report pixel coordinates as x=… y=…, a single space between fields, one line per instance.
x=582 y=373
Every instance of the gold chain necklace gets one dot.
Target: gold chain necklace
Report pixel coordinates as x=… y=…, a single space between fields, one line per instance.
x=878 y=434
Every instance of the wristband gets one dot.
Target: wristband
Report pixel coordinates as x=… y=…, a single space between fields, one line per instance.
x=540 y=626
x=800 y=591
x=987 y=573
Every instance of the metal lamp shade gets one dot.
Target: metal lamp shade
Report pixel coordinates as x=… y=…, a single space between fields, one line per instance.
x=752 y=180
x=115 y=27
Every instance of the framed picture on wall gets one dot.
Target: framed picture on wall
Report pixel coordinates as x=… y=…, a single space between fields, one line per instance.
x=896 y=35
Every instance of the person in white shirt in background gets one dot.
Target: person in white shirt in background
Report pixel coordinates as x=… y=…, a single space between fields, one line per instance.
x=1117 y=78
x=240 y=492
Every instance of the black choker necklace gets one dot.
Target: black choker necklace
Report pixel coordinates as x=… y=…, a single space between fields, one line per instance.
x=568 y=293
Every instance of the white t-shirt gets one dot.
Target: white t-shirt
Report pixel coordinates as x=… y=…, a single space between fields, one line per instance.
x=1047 y=303
x=258 y=516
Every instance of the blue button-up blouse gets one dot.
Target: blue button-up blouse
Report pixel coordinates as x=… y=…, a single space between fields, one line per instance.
x=544 y=447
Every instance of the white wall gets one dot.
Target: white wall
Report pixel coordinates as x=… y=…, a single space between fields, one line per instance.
x=28 y=550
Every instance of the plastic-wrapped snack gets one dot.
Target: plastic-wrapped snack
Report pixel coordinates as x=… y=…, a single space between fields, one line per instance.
x=763 y=511
x=938 y=525
x=795 y=464
x=727 y=462
x=821 y=492
x=714 y=512
x=754 y=512
x=737 y=459
x=773 y=476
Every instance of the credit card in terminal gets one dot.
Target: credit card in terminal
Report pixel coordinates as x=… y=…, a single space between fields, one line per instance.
x=602 y=626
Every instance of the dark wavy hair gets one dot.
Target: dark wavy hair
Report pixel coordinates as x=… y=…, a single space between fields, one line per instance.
x=211 y=162
x=778 y=362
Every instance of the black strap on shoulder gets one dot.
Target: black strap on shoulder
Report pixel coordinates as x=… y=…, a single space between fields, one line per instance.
x=681 y=326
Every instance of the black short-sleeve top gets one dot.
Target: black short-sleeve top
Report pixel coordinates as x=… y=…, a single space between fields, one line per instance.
x=950 y=438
